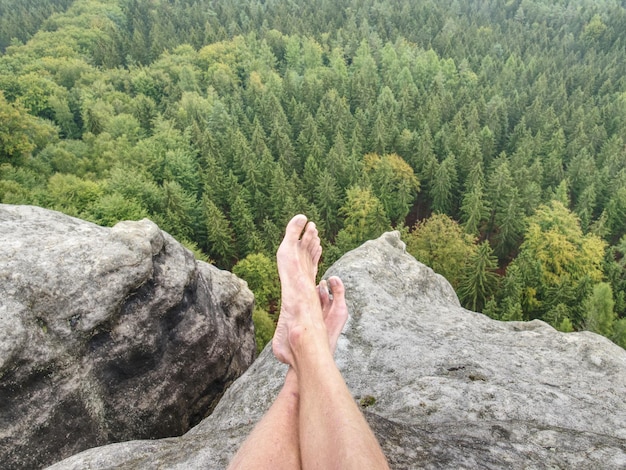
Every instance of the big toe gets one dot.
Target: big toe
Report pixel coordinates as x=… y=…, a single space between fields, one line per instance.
x=294 y=228
x=338 y=289
x=324 y=296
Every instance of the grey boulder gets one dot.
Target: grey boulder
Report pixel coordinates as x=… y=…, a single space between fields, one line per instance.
x=441 y=386
x=108 y=335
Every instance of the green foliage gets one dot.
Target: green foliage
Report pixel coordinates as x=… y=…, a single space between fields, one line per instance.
x=478 y=279
x=219 y=234
x=475 y=209
x=113 y=208
x=219 y=121
x=20 y=19
x=511 y=296
x=261 y=274
x=263 y=328
x=507 y=216
x=20 y=133
x=71 y=194
x=619 y=332
x=365 y=219
x=394 y=183
x=443 y=186
x=599 y=308
x=440 y=243
x=558 y=265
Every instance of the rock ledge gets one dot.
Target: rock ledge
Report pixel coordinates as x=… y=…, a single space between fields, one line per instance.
x=446 y=387
x=108 y=335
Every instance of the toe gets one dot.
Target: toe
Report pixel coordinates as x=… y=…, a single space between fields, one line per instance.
x=310 y=238
x=324 y=297
x=316 y=259
x=337 y=289
x=338 y=292
x=294 y=228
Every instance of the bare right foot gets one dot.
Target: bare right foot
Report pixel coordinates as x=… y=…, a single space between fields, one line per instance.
x=301 y=310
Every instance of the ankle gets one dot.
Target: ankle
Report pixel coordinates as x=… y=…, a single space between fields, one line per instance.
x=308 y=339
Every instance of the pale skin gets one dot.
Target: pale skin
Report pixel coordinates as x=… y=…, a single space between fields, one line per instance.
x=314 y=421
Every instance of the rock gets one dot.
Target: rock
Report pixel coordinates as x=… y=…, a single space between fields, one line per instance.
x=109 y=335
x=442 y=387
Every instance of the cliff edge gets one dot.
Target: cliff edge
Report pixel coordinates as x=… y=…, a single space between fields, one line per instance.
x=109 y=334
x=441 y=386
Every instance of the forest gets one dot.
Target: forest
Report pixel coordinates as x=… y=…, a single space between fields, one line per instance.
x=490 y=133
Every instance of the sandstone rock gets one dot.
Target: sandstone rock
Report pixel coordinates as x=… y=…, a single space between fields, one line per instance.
x=444 y=387
x=108 y=335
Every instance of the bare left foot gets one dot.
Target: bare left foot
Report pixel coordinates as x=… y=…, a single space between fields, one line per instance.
x=334 y=310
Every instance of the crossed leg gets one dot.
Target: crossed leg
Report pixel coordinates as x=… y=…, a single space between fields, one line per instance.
x=274 y=442
x=314 y=422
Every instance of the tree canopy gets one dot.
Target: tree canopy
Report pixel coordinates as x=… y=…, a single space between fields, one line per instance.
x=220 y=120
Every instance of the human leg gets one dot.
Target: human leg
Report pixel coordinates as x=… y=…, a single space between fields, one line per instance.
x=333 y=432
x=274 y=442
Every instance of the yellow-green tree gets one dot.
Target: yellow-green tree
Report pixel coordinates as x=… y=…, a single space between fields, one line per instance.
x=559 y=265
x=394 y=183
x=261 y=274
x=599 y=308
x=440 y=243
x=365 y=219
x=20 y=133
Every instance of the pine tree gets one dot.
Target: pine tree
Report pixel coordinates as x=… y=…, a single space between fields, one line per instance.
x=478 y=280
x=310 y=142
x=474 y=209
x=510 y=307
x=327 y=200
x=333 y=116
x=246 y=234
x=599 y=309
x=510 y=220
x=310 y=177
x=364 y=78
x=443 y=186
x=220 y=237
x=507 y=215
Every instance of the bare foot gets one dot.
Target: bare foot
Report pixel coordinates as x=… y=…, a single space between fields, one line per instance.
x=334 y=310
x=297 y=258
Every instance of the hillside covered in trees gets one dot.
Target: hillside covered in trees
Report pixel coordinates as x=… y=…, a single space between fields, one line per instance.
x=491 y=133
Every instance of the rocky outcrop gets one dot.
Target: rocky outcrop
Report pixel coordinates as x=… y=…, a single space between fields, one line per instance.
x=108 y=335
x=442 y=387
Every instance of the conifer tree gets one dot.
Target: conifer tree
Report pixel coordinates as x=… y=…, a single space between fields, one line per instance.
x=219 y=234
x=474 y=209
x=327 y=201
x=599 y=309
x=246 y=234
x=510 y=308
x=478 y=280
x=443 y=186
